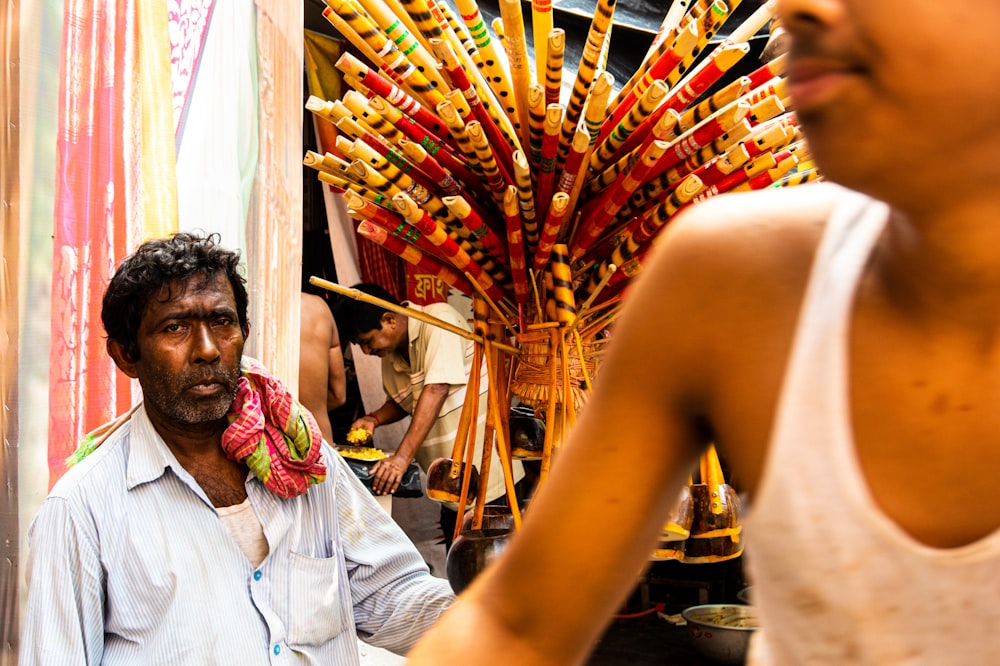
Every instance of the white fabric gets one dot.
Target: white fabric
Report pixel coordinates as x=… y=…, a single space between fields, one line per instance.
x=217 y=144
x=835 y=580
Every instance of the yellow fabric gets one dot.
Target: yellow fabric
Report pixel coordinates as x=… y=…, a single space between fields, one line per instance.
x=158 y=161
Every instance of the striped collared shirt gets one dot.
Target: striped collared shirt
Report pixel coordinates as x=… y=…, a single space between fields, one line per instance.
x=130 y=564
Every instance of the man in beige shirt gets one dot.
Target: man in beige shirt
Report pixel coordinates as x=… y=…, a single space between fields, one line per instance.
x=425 y=370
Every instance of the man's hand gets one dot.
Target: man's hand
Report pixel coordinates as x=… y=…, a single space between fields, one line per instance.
x=388 y=474
x=366 y=422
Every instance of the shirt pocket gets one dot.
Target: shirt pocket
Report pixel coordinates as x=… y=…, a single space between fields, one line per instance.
x=315 y=607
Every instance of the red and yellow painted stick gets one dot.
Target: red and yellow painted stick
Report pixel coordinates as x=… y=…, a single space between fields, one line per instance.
x=515 y=242
x=451 y=251
x=606 y=207
x=378 y=85
x=664 y=64
x=415 y=257
x=558 y=210
x=547 y=163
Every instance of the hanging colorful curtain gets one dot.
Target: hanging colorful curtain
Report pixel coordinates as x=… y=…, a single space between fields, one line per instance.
x=274 y=223
x=114 y=166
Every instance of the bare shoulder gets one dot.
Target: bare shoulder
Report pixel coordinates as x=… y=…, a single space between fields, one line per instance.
x=315 y=315
x=715 y=310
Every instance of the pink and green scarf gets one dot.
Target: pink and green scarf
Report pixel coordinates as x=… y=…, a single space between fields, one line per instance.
x=269 y=431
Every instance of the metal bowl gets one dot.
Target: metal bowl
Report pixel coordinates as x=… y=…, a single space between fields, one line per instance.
x=721 y=632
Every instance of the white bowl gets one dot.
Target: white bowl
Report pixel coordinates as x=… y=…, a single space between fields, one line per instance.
x=721 y=632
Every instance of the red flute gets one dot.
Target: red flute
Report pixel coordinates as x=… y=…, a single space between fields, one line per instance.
x=393 y=93
x=550 y=229
x=445 y=182
x=547 y=162
x=446 y=246
x=418 y=134
x=612 y=199
x=415 y=257
x=363 y=209
x=515 y=242
x=768 y=71
x=477 y=226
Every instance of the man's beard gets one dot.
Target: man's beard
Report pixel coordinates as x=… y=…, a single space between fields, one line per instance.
x=170 y=395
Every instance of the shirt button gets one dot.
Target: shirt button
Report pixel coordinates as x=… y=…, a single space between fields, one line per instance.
x=257 y=574
x=277 y=649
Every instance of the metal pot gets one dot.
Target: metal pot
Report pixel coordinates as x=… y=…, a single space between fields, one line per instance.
x=472 y=552
x=721 y=632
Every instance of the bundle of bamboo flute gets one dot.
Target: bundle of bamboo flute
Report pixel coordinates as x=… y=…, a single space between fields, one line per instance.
x=466 y=161
x=469 y=165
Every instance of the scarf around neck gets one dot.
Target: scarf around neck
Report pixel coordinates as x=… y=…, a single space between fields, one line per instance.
x=269 y=431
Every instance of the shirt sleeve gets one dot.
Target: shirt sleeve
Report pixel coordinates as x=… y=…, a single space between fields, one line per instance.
x=64 y=618
x=444 y=356
x=394 y=595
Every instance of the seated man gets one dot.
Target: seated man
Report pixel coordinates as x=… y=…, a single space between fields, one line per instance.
x=211 y=525
x=322 y=380
x=425 y=370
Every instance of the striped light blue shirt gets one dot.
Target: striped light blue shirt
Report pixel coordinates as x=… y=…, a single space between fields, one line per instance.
x=130 y=564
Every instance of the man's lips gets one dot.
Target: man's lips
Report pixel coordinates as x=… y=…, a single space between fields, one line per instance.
x=813 y=82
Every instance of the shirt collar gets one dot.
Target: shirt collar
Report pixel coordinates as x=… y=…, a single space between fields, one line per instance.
x=148 y=455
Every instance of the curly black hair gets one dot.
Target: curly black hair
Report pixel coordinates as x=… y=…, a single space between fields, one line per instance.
x=156 y=264
x=355 y=317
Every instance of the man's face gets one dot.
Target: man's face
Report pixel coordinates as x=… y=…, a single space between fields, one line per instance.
x=890 y=88
x=190 y=348
x=380 y=341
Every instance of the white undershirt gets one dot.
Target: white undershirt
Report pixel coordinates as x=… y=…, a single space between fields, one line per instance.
x=245 y=529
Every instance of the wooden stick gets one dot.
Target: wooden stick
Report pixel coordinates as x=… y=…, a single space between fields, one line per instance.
x=406 y=312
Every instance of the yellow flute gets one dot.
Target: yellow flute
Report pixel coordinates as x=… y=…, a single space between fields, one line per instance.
x=517 y=57
x=496 y=180
x=497 y=78
x=562 y=284
x=389 y=58
x=555 y=54
x=603 y=13
x=365 y=114
x=395 y=29
x=536 y=122
x=446 y=111
x=541 y=26
x=472 y=63
x=525 y=202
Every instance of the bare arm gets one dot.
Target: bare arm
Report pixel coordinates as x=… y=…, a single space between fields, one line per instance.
x=389 y=472
x=693 y=359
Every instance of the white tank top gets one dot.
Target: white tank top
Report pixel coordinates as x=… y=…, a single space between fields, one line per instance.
x=835 y=580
